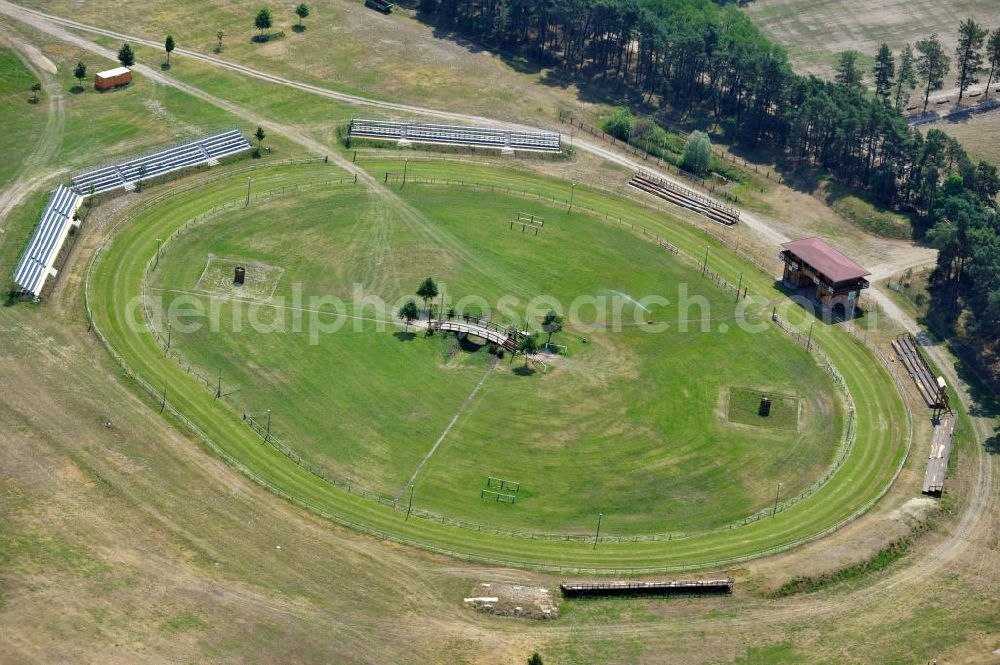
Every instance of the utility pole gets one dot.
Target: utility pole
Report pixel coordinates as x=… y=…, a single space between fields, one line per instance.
x=169 y=328
x=268 y=436
x=409 y=506
x=597 y=536
x=163 y=399
x=247 y=205
x=777 y=493
x=704 y=264
x=218 y=390
x=738 y=287
x=158 y=243
x=810 y=340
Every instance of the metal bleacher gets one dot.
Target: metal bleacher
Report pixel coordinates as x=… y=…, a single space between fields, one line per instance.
x=206 y=150
x=37 y=261
x=487 y=137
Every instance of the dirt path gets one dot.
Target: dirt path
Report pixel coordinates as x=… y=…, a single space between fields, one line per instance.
x=48 y=23
x=461 y=409
x=30 y=174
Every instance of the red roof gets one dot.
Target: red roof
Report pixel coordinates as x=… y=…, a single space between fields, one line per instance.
x=826 y=260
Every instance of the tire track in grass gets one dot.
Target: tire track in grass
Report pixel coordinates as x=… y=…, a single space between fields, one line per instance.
x=447 y=429
x=29 y=174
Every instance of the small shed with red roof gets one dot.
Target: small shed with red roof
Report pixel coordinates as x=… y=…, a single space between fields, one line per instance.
x=812 y=263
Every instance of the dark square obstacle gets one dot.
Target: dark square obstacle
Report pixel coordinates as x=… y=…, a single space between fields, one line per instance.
x=239 y=276
x=765 y=407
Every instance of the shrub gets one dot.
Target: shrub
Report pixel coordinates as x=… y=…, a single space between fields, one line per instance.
x=697 y=153
x=619 y=124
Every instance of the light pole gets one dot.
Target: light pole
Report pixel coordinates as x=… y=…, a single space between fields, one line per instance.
x=777 y=493
x=572 y=192
x=248 y=192
x=597 y=536
x=158 y=243
x=406 y=163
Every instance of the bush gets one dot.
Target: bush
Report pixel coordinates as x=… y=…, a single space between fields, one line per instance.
x=697 y=154
x=619 y=124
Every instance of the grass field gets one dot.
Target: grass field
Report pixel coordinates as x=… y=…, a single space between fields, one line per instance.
x=343 y=47
x=814 y=32
x=882 y=437
x=134 y=543
x=20 y=118
x=616 y=426
x=87 y=129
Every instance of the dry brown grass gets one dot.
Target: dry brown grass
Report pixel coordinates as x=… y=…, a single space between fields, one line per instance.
x=132 y=544
x=814 y=31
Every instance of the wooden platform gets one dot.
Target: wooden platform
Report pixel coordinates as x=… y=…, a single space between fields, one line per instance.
x=918 y=370
x=937 y=461
x=648 y=588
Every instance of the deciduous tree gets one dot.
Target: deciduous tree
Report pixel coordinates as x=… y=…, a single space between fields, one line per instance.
x=551 y=324
x=527 y=346
x=409 y=312
x=263 y=20
x=427 y=290
x=302 y=11
x=697 y=153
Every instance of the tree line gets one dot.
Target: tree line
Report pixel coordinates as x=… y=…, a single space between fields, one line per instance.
x=699 y=57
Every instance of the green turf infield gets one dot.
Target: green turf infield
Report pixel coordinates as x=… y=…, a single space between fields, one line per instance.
x=616 y=424
x=631 y=375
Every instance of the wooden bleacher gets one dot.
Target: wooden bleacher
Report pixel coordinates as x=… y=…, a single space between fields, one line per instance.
x=685 y=198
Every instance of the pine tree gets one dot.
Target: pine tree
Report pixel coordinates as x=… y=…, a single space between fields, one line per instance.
x=80 y=72
x=932 y=65
x=993 y=56
x=126 y=56
x=884 y=71
x=969 y=55
x=848 y=71
x=168 y=46
x=906 y=76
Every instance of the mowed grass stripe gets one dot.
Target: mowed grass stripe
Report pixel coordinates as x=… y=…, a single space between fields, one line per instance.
x=117 y=278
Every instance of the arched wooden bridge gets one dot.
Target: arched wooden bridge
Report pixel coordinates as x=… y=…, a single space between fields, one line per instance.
x=491 y=332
